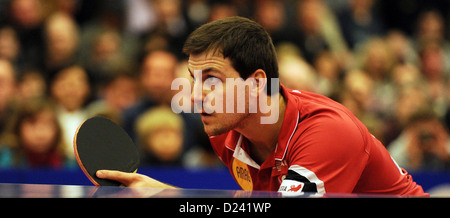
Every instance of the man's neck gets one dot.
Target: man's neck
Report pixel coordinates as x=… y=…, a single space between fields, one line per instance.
x=263 y=138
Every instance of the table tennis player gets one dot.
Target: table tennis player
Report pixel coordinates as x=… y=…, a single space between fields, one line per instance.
x=314 y=145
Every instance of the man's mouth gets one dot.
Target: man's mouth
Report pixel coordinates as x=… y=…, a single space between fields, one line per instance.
x=205 y=117
x=205 y=114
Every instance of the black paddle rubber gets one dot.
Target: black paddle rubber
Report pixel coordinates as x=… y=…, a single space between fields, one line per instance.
x=101 y=144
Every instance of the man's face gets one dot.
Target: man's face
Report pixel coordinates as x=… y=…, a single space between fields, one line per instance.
x=215 y=69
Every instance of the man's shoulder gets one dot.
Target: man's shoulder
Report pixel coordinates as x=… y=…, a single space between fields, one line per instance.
x=310 y=102
x=317 y=109
x=324 y=122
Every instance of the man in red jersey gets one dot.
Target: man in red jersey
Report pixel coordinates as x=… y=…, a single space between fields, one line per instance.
x=313 y=144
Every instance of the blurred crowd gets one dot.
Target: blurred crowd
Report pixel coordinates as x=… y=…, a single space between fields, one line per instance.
x=63 y=61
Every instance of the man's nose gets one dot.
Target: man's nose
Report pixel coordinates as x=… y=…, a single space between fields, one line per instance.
x=197 y=95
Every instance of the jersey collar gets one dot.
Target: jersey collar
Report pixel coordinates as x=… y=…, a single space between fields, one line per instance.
x=290 y=122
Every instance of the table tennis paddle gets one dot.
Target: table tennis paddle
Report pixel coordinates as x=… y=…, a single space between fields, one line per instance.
x=101 y=144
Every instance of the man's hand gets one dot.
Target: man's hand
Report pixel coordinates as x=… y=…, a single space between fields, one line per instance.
x=132 y=179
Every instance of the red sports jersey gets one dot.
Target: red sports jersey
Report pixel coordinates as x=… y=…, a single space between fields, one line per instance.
x=322 y=147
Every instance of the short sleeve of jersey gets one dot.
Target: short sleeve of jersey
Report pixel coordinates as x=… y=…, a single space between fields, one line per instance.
x=328 y=155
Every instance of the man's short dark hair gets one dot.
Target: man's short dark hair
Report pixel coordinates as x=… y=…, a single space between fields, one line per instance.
x=244 y=41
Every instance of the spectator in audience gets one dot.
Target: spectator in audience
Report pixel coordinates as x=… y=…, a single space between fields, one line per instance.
x=318 y=31
x=140 y=17
x=423 y=145
x=357 y=95
x=401 y=47
x=271 y=15
x=70 y=91
x=360 y=22
x=408 y=96
x=105 y=56
x=432 y=65
x=156 y=74
x=431 y=33
x=31 y=84
x=296 y=73
x=405 y=75
x=222 y=9
x=160 y=137
x=170 y=23
x=34 y=138
x=409 y=101
x=197 y=12
x=430 y=27
x=61 y=37
x=447 y=113
x=118 y=92
x=309 y=38
x=9 y=45
x=330 y=74
x=377 y=62
x=27 y=18
x=8 y=88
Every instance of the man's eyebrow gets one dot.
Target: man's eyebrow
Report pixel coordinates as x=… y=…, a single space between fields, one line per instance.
x=207 y=70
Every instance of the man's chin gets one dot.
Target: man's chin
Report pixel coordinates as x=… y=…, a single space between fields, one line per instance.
x=212 y=131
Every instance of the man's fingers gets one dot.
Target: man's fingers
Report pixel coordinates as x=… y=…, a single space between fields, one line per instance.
x=122 y=177
x=131 y=179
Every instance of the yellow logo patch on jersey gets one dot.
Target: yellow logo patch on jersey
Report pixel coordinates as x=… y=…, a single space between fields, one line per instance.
x=242 y=175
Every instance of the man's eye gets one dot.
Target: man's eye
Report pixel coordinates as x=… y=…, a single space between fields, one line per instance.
x=212 y=80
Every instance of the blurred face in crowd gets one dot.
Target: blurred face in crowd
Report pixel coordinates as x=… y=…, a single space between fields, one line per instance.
x=26 y=13
x=165 y=143
x=71 y=88
x=7 y=83
x=31 y=85
x=297 y=74
x=160 y=133
x=399 y=45
x=361 y=5
x=220 y=11
x=61 y=36
x=107 y=45
x=378 y=58
x=432 y=61
x=360 y=86
x=409 y=101
x=9 y=44
x=327 y=66
x=121 y=93
x=404 y=75
x=38 y=133
x=431 y=26
x=309 y=14
x=158 y=72
x=270 y=14
x=167 y=9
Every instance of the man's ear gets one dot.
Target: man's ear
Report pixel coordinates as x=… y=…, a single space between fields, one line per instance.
x=259 y=78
